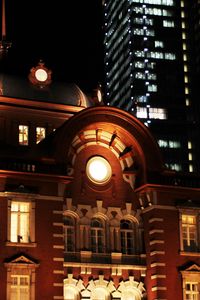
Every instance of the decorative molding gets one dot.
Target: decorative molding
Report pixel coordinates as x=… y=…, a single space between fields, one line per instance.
x=156 y=220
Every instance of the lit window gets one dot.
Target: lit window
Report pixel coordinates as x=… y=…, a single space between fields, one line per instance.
x=141 y=112
x=189 y=233
x=141 y=99
x=187 y=102
x=20 y=222
x=175 y=167
x=100 y=293
x=157 y=113
x=191 y=282
x=138 y=31
x=138 y=20
x=159 y=44
x=182 y=3
x=70 y=292
x=191 y=290
x=20 y=287
x=191 y=169
x=140 y=75
x=139 y=64
x=97 y=236
x=189 y=156
x=185 y=68
x=152 y=88
x=126 y=234
x=170 y=56
x=98 y=170
x=139 y=53
x=148 y=22
x=170 y=144
x=189 y=145
x=69 y=234
x=23 y=134
x=21 y=216
x=149 y=32
x=21 y=273
x=174 y=144
x=184 y=57
x=40 y=134
x=163 y=143
x=186 y=90
x=168 y=23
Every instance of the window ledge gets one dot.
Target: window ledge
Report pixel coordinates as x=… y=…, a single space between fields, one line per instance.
x=184 y=253
x=13 y=244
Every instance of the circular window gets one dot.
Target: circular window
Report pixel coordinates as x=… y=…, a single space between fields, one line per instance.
x=98 y=170
x=41 y=75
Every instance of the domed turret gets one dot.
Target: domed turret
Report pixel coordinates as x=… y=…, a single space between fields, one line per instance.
x=39 y=86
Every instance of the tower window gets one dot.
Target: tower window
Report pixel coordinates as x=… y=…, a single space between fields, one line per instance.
x=23 y=135
x=97 y=236
x=20 y=222
x=40 y=134
x=126 y=232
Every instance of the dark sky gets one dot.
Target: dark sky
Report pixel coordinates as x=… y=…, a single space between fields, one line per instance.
x=66 y=35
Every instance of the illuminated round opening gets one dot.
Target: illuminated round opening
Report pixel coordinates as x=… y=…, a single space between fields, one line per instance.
x=41 y=75
x=98 y=170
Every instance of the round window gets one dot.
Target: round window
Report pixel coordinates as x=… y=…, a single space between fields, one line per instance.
x=98 y=170
x=41 y=75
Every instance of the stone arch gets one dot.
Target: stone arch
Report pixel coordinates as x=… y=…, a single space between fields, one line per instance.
x=119 y=132
x=72 y=288
x=101 y=287
x=131 y=289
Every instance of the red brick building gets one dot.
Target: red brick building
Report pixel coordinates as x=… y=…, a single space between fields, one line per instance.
x=87 y=208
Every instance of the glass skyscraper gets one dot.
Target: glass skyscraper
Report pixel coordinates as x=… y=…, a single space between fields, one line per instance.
x=148 y=69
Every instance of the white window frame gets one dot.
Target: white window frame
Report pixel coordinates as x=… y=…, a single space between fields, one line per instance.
x=196 y=215
x=21 y=267
x=191 y=277
x=97 y=236
x=127 y=236
x=18 y=287
x=23 y=135
x=30 y=240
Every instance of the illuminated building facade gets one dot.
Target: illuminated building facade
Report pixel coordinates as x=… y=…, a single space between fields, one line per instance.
x=149 y=66
x=88 y=210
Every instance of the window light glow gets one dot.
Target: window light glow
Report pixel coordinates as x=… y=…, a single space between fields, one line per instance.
x=98 y=170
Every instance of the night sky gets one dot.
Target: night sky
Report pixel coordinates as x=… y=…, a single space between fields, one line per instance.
x=66 y=35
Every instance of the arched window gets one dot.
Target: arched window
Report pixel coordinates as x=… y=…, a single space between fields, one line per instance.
x=130 y=294
x=97 y=236
x=127 y=237
x=70 y=293
x=100 y=293
x=69 y=233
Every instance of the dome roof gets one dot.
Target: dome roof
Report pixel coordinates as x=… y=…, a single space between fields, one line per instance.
x=56 y=92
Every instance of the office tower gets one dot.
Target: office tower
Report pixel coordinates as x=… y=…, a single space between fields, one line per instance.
x=148 y=73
